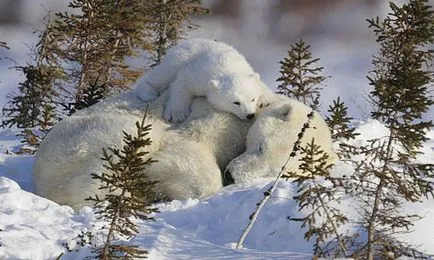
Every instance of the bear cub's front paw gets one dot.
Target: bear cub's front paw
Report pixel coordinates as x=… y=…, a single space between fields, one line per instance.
x=176 y=114
x=146 y=93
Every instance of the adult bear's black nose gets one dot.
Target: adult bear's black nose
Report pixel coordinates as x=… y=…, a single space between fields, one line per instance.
x=250 y=116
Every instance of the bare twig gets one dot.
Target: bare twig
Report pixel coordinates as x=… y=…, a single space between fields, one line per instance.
x=269 y=192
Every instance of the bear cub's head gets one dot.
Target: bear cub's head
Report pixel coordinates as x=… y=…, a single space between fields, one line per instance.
x=237 y=94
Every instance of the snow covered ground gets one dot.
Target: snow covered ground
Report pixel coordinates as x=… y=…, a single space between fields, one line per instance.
x=32 y=227
x=36 y=228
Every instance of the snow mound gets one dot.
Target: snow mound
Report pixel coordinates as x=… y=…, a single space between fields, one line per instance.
x=32 y=227
x=190 y=229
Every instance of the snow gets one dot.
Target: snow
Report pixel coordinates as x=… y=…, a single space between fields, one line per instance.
x=36 y=228
x=32 y=227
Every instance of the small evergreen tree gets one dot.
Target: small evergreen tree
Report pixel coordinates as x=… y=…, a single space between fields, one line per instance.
x=130 y=193
x=81 y=56
x=300 y=79
x=169 y=19
x=94 y=41
x=94 y=94
x=339 y=121
x=317 y=190
x=33 y=109
x=388 y=177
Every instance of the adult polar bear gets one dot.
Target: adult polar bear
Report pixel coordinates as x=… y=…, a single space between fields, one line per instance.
x=202 y=67
x=190 y=155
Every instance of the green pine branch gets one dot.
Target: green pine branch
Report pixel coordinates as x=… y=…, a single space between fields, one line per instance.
x=300 y=78
x=389 y=178
x=315 y=194
x=170 y=20
x=129 y=193
x=339 y=121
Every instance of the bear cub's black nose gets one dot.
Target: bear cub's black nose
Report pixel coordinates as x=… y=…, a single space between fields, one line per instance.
x=250 y=116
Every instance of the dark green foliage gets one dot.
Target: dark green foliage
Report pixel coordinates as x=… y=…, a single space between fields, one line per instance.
x=94 y=41
x=169 y=19
x=3 y=45
x=26 y=109
x=316 y=191
x=33 y=109
x=400 y=76
x=129 y=192
x=389 y=178
x=82 y=55
x=93 y=95
x=339 y=121
x=300 y=79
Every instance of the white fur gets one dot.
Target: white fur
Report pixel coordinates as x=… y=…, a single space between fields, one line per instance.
x=200 y=67
x=190 y=155
x=271 y=138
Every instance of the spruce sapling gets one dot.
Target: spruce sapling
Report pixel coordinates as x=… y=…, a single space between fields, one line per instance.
x=94 y=94
x=317 y=190
x=169 y=19
x=339 y=121
x=389 y=178
x=129 y=193
x=300 y=79
x=33 y=109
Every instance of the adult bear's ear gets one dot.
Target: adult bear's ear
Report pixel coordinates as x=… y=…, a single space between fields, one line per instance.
x=285 y=112
x=215 y=83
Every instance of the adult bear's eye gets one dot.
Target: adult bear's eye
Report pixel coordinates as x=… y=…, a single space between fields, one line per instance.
x=237 y=103
x=253 y=100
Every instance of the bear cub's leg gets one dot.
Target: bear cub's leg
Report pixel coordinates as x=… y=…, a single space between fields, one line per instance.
x=179 y=102
x=146 y=92
x=156 y=81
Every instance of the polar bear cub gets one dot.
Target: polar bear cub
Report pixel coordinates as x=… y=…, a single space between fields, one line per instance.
x=201 y=67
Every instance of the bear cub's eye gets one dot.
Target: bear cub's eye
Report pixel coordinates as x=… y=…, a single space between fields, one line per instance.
x=253 y=100
x=237 y=103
